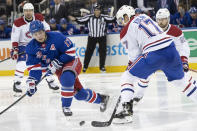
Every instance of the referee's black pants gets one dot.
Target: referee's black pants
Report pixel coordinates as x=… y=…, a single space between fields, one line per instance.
x=92 y=41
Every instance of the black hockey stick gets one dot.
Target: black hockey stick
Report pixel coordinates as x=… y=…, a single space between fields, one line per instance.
x=107 y=123
x=11 y=57
x=21 y=96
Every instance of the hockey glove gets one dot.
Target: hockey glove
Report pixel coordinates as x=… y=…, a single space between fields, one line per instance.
x=185 y=63
x=14 y=53
x=31 y=86
x=55 y=65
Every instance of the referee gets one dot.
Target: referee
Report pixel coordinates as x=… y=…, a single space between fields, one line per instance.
x=97 y=24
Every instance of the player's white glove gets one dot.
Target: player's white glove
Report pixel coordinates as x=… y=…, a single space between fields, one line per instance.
x=185 y=63
x=31 y=86
x=55 y=65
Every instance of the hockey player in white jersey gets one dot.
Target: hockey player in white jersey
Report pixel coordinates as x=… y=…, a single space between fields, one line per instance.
x=20 y=37
x=163 y=20
x=152 y=50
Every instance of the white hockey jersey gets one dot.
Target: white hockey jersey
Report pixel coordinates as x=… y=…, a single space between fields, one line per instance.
x=20 y=35
x=181 y=44
x=142 y=35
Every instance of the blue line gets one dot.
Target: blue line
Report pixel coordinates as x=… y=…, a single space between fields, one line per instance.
x=142 y=86
x=127 y=89
x=191 y=91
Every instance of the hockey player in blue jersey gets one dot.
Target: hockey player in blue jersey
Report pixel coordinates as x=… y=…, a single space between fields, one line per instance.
x=56 y=52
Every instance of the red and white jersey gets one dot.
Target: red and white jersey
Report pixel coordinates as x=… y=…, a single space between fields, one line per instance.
x=142 y=35
x=20 y=30
x=179 y=40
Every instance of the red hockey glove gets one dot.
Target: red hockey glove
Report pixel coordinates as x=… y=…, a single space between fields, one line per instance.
x=14 y=53
x=185 y=63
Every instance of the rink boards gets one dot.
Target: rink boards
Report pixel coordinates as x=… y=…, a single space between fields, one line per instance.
x=116 y=60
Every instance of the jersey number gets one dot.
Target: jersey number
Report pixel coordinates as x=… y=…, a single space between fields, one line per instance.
x=147 y=26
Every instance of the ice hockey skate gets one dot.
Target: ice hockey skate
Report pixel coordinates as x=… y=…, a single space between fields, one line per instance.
x=67 y=111
x=52 y=85
x=17 y=89
x=125 y=115
x=104 y=102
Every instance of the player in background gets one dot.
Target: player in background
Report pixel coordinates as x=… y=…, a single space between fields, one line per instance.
x=156 y=51
x=163 y=20
x=20 y=37
x=57 y=52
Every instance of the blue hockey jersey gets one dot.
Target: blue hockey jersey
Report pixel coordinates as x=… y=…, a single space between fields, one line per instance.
x=39 y=55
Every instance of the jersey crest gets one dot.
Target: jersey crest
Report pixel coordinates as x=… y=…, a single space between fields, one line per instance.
x=52 y=47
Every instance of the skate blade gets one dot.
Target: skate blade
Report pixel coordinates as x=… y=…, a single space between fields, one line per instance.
x=56 y=91
x=17 y=94
x=123 y=121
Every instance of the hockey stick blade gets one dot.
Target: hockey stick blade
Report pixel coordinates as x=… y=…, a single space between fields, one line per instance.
x=100 y=124
x=107 y=123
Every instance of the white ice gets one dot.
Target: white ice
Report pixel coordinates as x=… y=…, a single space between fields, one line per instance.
x=161 y=109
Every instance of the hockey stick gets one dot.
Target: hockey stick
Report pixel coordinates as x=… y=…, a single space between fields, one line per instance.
x=21 y=96
x=193 y=70
x=11 y=57
x=107 y=123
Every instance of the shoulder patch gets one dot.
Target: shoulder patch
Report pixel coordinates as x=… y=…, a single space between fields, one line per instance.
x=174 y=31
x=19 y=22
x=39 y=17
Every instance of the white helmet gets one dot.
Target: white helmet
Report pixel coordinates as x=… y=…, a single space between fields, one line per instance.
x=125 y=9
x=163 y=13
x=28 y=6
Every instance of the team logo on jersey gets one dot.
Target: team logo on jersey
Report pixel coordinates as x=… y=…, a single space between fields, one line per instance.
x=28 y=35
x=44 y=57
x=39 y=54
x=52 y=47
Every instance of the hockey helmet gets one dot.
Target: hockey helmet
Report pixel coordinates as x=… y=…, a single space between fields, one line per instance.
x=36 y=26
x=124 y=10
x=28 y=6
x=163 y=13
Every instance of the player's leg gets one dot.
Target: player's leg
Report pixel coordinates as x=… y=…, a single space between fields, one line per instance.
x=19 y=74
x=90 y=96
x=141 y=68
x=19 y=71
x=142 y=85
x=89 y=52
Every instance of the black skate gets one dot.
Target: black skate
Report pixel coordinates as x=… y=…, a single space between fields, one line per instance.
x=17 y=89
x=104 y=102
x=67 y=111
x=52 y=85
x=84 y=70
x=136 y=100
x=126 y=115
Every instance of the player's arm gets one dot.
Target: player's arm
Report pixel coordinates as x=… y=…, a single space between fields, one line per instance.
x=66 y=49
x=46 y=26
x=15 y=36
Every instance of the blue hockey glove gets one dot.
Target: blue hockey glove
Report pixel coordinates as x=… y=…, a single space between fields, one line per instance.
x=55 y=65
x=185 y=63
x=31 y=86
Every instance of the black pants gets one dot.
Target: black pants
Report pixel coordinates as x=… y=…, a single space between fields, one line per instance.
x=92 y=41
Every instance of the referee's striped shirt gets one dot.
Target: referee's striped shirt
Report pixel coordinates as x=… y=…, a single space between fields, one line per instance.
x=96 y=26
